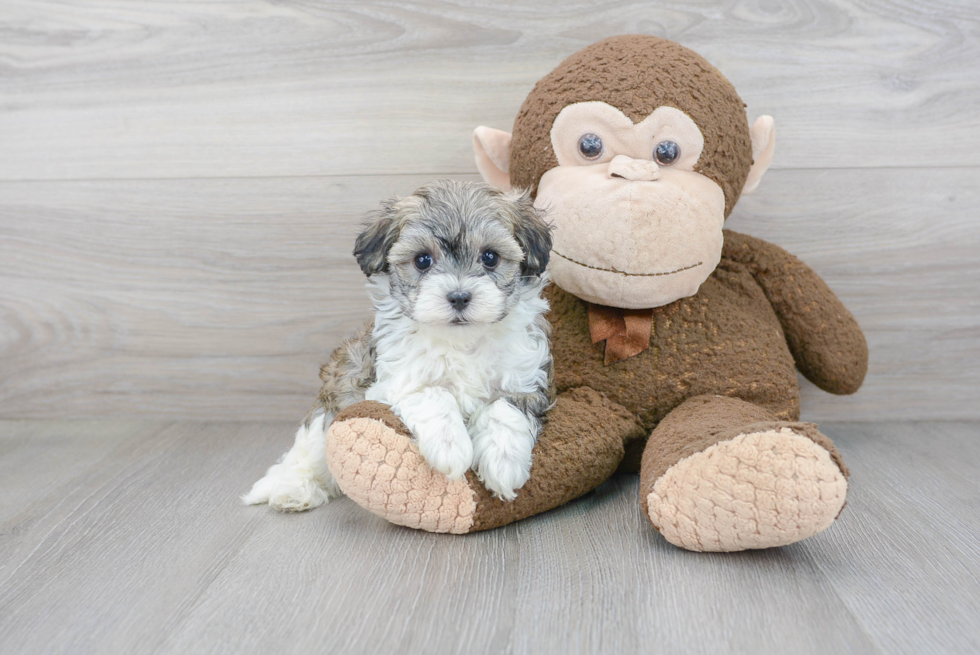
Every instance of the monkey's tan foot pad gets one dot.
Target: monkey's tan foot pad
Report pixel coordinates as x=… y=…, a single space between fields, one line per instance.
x=371 y=455
x=760 y=489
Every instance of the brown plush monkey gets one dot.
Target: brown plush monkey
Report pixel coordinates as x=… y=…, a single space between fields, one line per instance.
x=676 y=342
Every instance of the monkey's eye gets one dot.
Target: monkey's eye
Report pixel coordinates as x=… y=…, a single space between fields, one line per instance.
x=423 y=261
x=490 y=259
x=590 y=145
x=666 y=153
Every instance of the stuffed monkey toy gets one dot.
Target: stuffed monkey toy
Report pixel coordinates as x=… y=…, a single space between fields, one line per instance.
x=676 y=342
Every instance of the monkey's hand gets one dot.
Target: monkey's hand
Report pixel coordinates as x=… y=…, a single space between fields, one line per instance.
x=379 y=466
x=824 y=338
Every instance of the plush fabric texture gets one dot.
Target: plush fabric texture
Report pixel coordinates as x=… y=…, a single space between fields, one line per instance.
x=765 y=488
x=718 y=365
x=725 y=340
x=704 y=421
x=699 y=395
x=626 y=332
x=492 y=154
x=723 y=474
x=617 y=71
x=373 y=460
x=621 y=136
x=579 y=448
x=377 y=465
x=728 y=339
x=653 y=248
x=827 y=343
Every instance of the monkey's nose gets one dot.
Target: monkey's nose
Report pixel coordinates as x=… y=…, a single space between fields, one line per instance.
x=459 y=299
x=634 y=170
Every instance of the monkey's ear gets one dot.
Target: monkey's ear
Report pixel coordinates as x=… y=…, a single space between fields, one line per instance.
x=763 y=134
x=492 y=150
x=532 y=233
x=376 y=239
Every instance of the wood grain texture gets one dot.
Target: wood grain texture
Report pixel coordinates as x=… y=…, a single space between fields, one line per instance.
x=140 y=546
x=215 y=89
x=218 y=299
x=181 y=183
x=909 y=479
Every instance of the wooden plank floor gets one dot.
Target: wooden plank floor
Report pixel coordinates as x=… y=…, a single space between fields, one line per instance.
x=126 y=536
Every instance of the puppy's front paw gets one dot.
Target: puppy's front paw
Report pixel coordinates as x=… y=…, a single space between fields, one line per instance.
x=434 y=419
x=503 y=476
x=447 y=447
x=503 y=438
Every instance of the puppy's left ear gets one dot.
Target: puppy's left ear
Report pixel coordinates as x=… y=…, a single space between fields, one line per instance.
x=532 y=233
x=376 y=239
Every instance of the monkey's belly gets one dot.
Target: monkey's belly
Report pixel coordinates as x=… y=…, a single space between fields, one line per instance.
x=725 y=340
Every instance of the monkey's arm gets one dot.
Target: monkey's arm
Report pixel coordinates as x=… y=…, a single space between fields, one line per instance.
x=825 y=340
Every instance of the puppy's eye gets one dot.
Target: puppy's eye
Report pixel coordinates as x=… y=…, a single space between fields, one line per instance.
x=490 y=259
x=666 y=153
x=423 y=261
x=590 y=145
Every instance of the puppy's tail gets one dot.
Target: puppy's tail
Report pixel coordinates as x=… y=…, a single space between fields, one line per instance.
x=300 y=480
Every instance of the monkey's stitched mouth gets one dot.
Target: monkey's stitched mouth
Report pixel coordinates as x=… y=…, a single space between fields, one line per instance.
x=613 y=270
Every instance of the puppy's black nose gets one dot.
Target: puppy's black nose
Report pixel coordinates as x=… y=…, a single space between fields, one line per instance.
x=459 y=299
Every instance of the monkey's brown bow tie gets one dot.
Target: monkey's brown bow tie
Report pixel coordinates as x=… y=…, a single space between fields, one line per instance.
x=625 y=331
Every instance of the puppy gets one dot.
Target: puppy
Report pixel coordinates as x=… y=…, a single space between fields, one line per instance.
x=459 y=347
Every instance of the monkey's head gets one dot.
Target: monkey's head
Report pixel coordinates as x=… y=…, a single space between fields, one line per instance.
x=638 y=149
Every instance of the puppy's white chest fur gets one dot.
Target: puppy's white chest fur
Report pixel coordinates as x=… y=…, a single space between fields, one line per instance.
x=476 y=364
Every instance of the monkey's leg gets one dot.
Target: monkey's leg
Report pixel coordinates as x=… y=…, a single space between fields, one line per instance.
x=376 y=464
x=722 y=474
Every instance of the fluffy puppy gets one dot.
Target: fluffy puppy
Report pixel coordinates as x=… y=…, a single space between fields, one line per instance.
x=459 y=346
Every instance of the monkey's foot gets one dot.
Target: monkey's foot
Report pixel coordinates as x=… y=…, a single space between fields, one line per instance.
x=375 y=462
x=769 y=486
x=372 y=456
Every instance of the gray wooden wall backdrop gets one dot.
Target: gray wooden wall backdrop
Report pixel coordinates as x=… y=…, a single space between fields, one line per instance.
x=180 y=183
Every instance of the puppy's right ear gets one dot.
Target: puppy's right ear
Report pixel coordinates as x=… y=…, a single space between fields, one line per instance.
x=532 y=232
x=379 y=235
